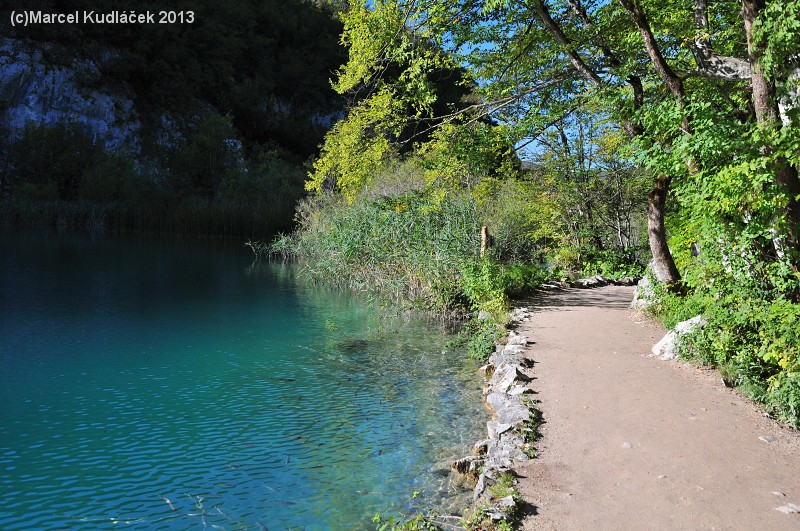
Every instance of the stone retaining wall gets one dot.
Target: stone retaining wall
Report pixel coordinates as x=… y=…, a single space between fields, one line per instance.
x=509 y=433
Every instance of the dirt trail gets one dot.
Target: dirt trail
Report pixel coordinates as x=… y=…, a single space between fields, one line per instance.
x=633 y=442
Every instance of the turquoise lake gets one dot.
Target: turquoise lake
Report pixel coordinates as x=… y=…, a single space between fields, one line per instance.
x=173 y=384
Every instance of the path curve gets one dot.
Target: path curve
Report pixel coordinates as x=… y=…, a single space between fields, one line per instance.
x=633 y=442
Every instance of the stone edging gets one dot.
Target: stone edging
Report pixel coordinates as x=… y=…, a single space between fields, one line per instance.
x=509 y=432
x=513 y=426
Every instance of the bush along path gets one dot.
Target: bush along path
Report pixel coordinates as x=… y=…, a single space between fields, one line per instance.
x=630 y=441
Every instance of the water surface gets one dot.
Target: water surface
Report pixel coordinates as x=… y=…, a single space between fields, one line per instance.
x=175 y=385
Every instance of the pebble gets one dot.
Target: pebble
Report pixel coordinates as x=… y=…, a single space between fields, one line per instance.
x=627 y=445
x=768 y=438
x=789 y=508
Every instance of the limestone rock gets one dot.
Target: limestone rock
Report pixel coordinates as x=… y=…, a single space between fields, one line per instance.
x=481 y=447
x=34 y=91
x=667 y=348
x=507 y=502
x=506 y=376
x=494 y=428
x=467 y=465
x=507 y=431
x=554 y=286
x=509 y=409
x=519 y=315
x=517 y=339
x=643 y=297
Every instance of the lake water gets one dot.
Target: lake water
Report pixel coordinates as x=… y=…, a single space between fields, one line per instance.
x=176 y=385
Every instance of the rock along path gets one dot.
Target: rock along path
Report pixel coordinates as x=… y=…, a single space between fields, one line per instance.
x=633 y=442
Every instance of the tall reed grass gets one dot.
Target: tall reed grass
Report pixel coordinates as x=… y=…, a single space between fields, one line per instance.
x=409 y=249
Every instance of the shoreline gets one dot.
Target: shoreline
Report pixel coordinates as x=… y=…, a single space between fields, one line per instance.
x=513 y=430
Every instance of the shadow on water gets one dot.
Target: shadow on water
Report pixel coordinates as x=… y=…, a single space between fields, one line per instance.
x=611 y=297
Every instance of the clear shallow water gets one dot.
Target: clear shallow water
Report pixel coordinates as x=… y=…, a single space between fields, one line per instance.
x=169 y=385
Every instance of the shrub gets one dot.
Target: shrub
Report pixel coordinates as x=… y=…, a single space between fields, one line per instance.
x=751 y=336
x=46 y=156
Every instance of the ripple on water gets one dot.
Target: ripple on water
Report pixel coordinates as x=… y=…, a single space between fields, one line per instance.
x=228 y=406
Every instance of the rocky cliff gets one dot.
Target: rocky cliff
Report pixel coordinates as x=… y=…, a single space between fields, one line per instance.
x=36 y=91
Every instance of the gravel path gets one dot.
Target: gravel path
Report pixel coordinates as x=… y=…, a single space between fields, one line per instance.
x=632 y=442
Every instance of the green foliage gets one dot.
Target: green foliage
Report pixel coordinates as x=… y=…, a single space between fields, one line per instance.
x=478 y=337
x=610 y=264
x=210 y=155
x=776 y=35
x=44 y=157
x=598 y=197
x=479 y=520
x=210 y=188
x=522 y=216
x=366 y=131
x=783 y=397
x=379 y=36
x=458 y=156
x=751 y=334
x=483 y=285
x=488 y=286
x=504 y=486
x=519 y=279
x=530 y=430
x=394 y=523
x=37 y=191
x=419 y=247
x=368 y=34
x=408 y=248
x=111 y=177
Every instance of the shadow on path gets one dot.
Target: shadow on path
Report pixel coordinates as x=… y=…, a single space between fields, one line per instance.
x=574 y=297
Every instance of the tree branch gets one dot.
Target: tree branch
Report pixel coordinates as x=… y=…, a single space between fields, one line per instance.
x=480 y=110
x=662 y=68
x=631 y=128
x=710 y=64
x=556 y=31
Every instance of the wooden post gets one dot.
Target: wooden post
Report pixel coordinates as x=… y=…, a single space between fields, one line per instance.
x=484 y=240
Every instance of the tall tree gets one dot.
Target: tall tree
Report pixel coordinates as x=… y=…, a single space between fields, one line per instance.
x=660 y=70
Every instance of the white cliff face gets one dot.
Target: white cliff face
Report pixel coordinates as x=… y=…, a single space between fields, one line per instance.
x=32 y=91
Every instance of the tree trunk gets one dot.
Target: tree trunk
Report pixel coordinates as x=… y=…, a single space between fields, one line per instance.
x=662 y=68
x=763 y=91
x=663 y=264
x=765 y=104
